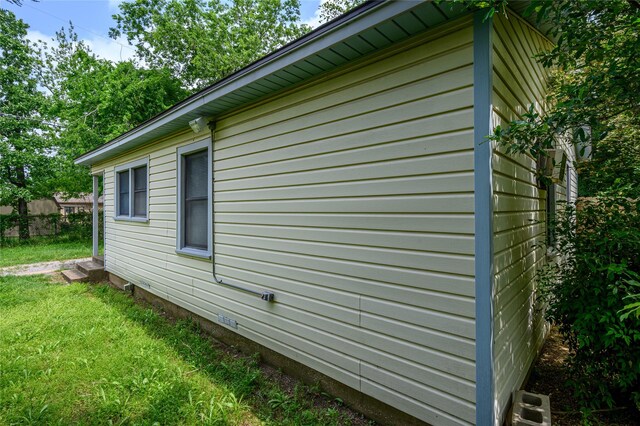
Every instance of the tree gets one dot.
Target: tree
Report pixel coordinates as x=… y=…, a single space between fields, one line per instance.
x=594 y=98
x=96 y=100
x=18 y=2
x=331 y=9
x=201 y=42
x=595 y=94
x=26 y=157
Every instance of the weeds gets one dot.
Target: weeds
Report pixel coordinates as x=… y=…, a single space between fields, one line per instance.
x=84 y=354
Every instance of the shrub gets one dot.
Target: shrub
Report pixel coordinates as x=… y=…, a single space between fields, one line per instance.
x=586 y=291
x=74 y=226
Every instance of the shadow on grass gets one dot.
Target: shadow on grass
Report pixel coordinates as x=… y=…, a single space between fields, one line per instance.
x=240 y=375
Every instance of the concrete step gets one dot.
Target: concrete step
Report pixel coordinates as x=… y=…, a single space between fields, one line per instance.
x=93 y=270
x=98 y=259
x=74 y=276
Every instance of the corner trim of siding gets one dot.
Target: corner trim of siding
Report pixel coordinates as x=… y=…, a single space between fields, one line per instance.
x=483 y=203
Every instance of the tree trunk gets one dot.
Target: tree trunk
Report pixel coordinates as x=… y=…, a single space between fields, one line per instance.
x=23 y=209
x=23 y=220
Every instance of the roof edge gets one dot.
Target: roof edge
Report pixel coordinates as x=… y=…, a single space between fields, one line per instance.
x=89 y=157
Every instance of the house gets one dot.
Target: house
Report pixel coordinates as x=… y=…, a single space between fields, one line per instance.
x=38 y=211
x=336 y=205
x=36 y=207
x=81 y=203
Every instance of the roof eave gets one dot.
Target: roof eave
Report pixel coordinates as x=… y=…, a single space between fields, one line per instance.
x=365 y=16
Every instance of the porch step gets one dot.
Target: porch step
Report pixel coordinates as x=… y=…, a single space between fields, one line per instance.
x=98 y=259
x=93 y=270
x=74 y=276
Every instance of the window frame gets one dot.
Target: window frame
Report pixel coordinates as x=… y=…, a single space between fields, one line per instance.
x=130 y=167
x=181 y=153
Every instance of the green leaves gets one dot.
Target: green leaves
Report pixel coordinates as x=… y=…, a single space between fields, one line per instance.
x=202 y=41
x=591 y=293
x=25 y=155
x=594 y=85
x=96 y=100
x=633 y=300
x=331 y=9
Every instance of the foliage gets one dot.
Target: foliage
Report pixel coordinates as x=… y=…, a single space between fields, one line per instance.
x=26 y=157
x=96 y=100
x=599 y=246
x=614 y=166
x=595 y=93
x=331 y=9
x=203 y=41
x=594 y=99
x=7 y=221
x=88 y=354
x=633 y=308
x=74 y=225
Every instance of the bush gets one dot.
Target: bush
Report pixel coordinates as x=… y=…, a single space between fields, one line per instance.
x=586 y=291
x=74 y=226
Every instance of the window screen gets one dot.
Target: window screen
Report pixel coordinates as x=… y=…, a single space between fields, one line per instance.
x=195 y=200
x=132 y=197
x=140 y=191
x=123 y=193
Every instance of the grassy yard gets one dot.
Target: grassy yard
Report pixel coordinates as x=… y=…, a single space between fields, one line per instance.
x=43 y=250
x=87 y=354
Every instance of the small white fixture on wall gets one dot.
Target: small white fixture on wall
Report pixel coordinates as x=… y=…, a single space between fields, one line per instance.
x=198 y=124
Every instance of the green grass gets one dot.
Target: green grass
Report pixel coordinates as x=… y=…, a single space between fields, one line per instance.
x=43 y=250
x=87 y=354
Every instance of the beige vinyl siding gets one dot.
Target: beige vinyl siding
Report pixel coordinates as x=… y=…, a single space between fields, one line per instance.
x=351 y=198
x=519 y=209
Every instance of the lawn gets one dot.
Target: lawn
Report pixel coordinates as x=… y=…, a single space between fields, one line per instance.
x=43 y=250
x=88 y=354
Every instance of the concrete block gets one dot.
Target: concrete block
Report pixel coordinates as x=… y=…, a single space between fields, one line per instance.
x=530 y=409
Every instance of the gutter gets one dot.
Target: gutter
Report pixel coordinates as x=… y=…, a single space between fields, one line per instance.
x=231 y=82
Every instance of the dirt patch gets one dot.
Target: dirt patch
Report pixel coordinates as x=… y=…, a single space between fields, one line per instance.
x=41 y=268
x=549 y=377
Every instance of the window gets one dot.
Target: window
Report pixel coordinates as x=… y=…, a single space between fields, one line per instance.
x=131 y=191
x=140 y=192
x=194 y=204
x=69 y=210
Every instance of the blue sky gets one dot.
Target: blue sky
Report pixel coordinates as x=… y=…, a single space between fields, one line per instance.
x=92 y=19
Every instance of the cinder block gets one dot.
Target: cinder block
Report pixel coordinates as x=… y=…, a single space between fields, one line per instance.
x=531 y=409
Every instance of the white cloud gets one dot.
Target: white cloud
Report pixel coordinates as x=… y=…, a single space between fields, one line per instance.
x=33 y=36
x=106 y=48
x=314 y=21
x=113 y=50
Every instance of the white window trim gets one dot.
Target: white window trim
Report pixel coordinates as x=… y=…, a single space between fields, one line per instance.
x=130 y=166
x=181 y=152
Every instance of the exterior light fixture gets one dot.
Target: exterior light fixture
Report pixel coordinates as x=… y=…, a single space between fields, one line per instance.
x=198 y=124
